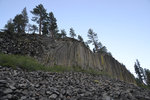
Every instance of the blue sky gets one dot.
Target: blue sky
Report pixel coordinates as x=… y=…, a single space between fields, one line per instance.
x=123 y=26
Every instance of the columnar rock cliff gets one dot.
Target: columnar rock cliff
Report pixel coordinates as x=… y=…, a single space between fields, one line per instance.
x=63 y=52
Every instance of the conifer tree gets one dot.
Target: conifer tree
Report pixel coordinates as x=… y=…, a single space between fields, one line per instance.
x=103 y=49
x=45 y=28
x=63 y=33
x=72 y=33
x=40 y=15
x=139 y=71
x=25 y=18
x=34 y=28
x=93 y=38
x=52 y=25
x=10 y=26
x=19 y=23
x=80 y=38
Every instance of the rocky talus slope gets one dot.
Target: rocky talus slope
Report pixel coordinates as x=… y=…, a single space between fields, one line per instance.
x=63 y=52
x=22 y=85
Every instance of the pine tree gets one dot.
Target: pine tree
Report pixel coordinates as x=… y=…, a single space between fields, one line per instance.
x=72 y=33
x=34 y=28
x=86 y=44
x=103 y=49
x=80 y=38
x=10 y=26
x=29 y=27
x=25 y=18
x=139 y=71
x=40 y=15
x=93 y=38
x=19 y=23
x=52 y=25
x=63 y=33
x=45 y=28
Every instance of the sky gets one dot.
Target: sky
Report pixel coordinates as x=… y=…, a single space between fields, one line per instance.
x=123 y=26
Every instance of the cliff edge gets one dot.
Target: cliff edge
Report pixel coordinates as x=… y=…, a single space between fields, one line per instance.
x=63 y=52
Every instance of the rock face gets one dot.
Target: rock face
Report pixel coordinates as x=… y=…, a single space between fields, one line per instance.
x=22 y=85
x=63 y=52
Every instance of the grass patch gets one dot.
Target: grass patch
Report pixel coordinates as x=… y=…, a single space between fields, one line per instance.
x=31 y=64
x=24 y=62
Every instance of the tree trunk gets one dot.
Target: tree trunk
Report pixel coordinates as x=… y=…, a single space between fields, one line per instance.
x=40 y=27
x=52 y=33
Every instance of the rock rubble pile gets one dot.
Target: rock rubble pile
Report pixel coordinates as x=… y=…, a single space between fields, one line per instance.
x=23 y=85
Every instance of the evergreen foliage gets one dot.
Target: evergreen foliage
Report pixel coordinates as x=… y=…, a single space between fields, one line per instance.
x=25 y=18
x=143 y=75
x=40 y=15
x=19 y=23
x=10 y=26
x=45 y=28
x=52 y=25
x=63 y=33
x=139 y=71
x=72 y=33
x=103 y=49
x=93 y=38
x=80 y=38
x=34 y=28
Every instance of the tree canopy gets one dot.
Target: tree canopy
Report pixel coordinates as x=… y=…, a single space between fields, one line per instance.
x=40 y=15
x=63 y=33
x=72 y=33
x=80 y=38
x=10 y=26
x=52 y=24
x=93 y=38
x=19 y=23
x=143 y=75
x=25 y=18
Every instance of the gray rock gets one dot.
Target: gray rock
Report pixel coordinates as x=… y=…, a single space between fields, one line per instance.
x=106 y=97
x=7 y=91
x=6 y=97
x=12 y=87
x=53 y=96
x=23 y=98
x=48 y=92
x=9 y=96
x=3 y=82
x=65 y=86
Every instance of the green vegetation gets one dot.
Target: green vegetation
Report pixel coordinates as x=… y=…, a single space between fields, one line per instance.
x=93 y=38
x=72 y=33
x=31 y=64
x=40 y=14
x=23 y=62
x=143 y=75
x=18 y=24
x=63 y=33
x=32 y=28
x=98 y=82
x=80 y=38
